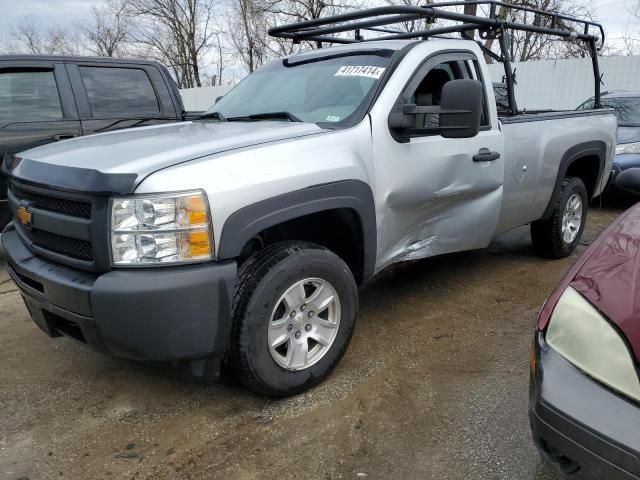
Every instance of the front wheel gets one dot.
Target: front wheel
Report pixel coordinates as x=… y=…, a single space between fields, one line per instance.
x=294 y=314
x=558 y=236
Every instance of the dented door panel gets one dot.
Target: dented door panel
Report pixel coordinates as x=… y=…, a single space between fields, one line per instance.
x=431 y=197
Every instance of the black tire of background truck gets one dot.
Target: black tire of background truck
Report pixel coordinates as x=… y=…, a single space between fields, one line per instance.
x=546 y=235
x=262 y=279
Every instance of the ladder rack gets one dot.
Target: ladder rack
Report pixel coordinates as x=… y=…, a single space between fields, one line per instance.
x=491 y=24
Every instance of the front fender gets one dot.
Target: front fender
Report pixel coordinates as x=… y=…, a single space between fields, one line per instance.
x=356 y=195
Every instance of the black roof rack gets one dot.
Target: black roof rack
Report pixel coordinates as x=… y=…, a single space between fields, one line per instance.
x=489 y=24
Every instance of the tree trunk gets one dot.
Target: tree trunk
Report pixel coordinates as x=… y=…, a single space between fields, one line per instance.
x=470 y=9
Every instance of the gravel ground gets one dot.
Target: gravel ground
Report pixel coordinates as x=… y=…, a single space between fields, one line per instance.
x=433 y=386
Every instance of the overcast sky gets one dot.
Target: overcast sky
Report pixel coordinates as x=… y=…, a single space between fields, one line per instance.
x=612 y=13
x=48 y=12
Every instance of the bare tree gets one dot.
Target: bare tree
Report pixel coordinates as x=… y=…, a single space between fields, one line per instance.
x=528 y=46
x=470 y=9
x=413 y=25
x=179 y=32
x=28 y=37
x=247 y=20
x=287 y=11
x=108 y=31
x=634 y=8
x=300 y=10
x=219 y=56
x=199 y=43
x=629 y=42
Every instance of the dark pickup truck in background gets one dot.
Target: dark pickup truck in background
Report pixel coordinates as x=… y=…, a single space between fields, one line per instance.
x=46 y=99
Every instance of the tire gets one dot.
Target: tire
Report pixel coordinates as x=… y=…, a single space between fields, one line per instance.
x=550 y=237
x=260 y=308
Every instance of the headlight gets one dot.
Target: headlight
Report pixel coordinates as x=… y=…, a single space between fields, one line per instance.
x=579 y=333
x=628 y=148
x=160 y=229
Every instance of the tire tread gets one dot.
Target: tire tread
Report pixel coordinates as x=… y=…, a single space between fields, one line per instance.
x=250 y=275
x=546 y=235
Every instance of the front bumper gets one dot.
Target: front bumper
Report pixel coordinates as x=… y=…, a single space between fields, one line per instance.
x=621 y=163
x=580 y=425
x=5 y=214
x=168 y=314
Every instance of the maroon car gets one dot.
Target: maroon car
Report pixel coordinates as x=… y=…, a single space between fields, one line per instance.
x=584 y=398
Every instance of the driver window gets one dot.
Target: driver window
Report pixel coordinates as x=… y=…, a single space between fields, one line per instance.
x=429 y=91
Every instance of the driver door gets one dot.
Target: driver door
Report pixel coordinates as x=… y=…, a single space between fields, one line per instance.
x=436 y=195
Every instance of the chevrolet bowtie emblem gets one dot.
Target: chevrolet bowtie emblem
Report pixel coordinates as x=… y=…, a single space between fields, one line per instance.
x=24 y=215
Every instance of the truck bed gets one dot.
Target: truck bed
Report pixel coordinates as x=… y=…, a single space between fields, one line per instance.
x=534 y=155
x=540 y=115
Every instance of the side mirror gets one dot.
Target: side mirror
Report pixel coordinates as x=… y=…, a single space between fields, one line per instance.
x=459 y=112
x=461 y=106
x=629 y=180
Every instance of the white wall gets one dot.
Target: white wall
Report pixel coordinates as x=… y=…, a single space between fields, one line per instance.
x=198 y=99
x=565 y=84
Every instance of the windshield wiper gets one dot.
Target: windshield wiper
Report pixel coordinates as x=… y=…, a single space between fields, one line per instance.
x=212 y=115
x=265 y=116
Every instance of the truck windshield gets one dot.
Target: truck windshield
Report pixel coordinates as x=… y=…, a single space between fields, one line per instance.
x=318 y=89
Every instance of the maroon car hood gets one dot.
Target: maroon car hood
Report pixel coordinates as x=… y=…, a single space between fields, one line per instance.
x=610 y=276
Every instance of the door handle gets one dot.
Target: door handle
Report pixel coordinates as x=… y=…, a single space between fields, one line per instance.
x=485 y=155
x=64 y=136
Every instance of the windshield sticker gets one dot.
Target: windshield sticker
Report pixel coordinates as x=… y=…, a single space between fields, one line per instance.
x=333 y=118
x=360 y=71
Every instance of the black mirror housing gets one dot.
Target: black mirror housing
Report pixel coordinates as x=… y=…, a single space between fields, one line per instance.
x=460 y=112
x=399 y=120
x=461 y=104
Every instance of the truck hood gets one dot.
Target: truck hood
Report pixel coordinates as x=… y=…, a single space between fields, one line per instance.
x=142 y=151
x=610 y=276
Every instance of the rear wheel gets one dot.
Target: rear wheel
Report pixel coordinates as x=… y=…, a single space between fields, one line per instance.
x=294 y=314
x=559 y=235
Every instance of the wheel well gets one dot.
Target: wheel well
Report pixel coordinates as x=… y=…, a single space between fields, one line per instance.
x=339 y=230
x=588 y=170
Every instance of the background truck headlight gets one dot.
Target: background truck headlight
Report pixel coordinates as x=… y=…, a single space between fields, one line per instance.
x=579 y=333
x=161 y=229
x=628 y=148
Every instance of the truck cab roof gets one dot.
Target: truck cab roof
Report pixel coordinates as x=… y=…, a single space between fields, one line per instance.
x=75 y=59
x=368 y=47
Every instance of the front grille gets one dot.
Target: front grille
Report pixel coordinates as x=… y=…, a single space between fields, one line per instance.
x=67 y=227
x=71 y=247
x=73 y=208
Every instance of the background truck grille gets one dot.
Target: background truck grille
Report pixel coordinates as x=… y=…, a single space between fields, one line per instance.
x=71 y=247
x=73 y=208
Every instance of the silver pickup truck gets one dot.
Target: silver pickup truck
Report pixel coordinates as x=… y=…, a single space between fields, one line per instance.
x=239 y=239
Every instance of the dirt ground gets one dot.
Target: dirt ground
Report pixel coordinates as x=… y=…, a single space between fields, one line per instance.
x=433 y=386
